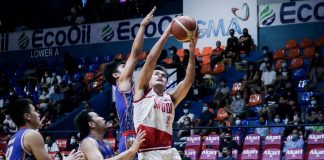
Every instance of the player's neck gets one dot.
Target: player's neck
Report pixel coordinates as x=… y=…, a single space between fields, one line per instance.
x=159 y=91
x=29 y=126
x=97 y=134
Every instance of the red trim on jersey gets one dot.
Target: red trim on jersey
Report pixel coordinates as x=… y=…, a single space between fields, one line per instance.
x=154 y=139
x=144 y=96
x=129 y=132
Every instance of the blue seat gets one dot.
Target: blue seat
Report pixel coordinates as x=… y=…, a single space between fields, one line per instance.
x=304 y=97
x=299 y=74
x=300 y=85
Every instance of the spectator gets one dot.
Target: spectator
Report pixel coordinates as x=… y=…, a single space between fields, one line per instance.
x=43 y=98
x=237 y=106
x=46 y=80
x=228 y=142
x=277 y=130
x=270 y=103
x=315 y=71
x=320 y=120
x=2 y=157
x=9 y=125
x=289 y=93
x=245 y=42
x=232 y=50
x=58 y=156
x=226 y=154
x=251 y=81
x=205 y=119
x=57 y=96
x=174 y=56
x=295 y=143
x=268 y=77
x=186 y=114
x=184 y=133
x=283 y=75
x=218 y=48
x=56 y=79
x=72 y=143
x=238 y=130
x=50 y=146
x=262 y=131
x=221 y=93
x=216 y=55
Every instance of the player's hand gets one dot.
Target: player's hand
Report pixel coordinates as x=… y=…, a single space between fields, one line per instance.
x=75 y=155
x=148 y=17
x=130 y=142
x=138 y=141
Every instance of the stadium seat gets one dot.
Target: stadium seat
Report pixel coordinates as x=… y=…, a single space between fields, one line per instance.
x=279 y=54
x=120 y=56
x=273 y=154
x=221 y=114
x=237 y=139
x=208 y=154
x=292 y=43
x=250 y=153
x=296 y=63
x=320 y=41
x=252 y=141
x=205 y=69
x=316 y=154
x=236 y=87
x=194 y=142
x=197 y=52
x=205 y=59
x=273 y=141
x=212 y=141
x=300 y=85
x=304 y=97
x=112 y=143
x=299 y=74
x=254 y=100
x=180 y=52
x=206 y=51
x=293 y=53
x=142 y=56
x=315 y=140
x=88 y=77
x=294 y=154
x=278 y=64
x=168 y=60
x=61 y=143
x=219 y=68
x=191 y=153
x=306 y=42
x=309 y=52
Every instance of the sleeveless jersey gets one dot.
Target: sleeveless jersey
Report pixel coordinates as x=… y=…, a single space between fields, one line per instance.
x=155 y=115
x=15 y=147
x=124 y=107
x=104 y=148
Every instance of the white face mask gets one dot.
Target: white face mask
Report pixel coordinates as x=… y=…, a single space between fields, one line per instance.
x=43 y=92
x=57 y=158
x=238 y=96
x=238 y=122
x=264 y=51
x=284 y=65
x=205 y=109
x=313 y=102
x=185 y=111
x=277 y=120
x=73 y=140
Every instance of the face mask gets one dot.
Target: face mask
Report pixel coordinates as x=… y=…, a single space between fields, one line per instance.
x=53 y=74
x=27 y=93
x=264 y=51
x=46 y=75
x=277 y=120
x=295 y=136
x=69 y=82
x=73 y=140
x=317 y=55
x=228 y=138
x=57 y=158
x=266 y=59
x=238 y=96
x=286 y=121
x=11 y=93
x=237 y=122
x=222 y=84
x=313 y=102
x=284 y=73
x=245 y=33
x=43 y=92
x=224 y=154
x=284 y=65
x=185 y=111
x=186 y=123
x=205 y=109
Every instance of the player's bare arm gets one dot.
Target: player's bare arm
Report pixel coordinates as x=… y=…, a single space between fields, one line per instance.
x=125 y=79
x=34 y=143
x=184 y=86
x=146 y=73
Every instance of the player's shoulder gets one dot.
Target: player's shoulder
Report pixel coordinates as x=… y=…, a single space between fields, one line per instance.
x=31 y=133
x=89 y=141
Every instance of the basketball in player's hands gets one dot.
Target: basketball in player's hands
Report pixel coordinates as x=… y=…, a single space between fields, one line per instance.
x=184 y=28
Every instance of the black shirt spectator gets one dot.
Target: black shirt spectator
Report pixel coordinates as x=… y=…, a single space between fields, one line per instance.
x=245 y=42
x=228 y=142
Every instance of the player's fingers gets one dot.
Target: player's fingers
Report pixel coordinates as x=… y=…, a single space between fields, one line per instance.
x=140 y=136
x=152 y=11
x=72 y=152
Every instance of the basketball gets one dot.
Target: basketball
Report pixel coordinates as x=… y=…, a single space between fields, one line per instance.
x=184 y=28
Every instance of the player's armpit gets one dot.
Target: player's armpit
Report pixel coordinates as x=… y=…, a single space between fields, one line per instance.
x=90 y=149
x=34 y=142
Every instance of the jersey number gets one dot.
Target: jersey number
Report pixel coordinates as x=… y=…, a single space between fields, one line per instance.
x=10 y=148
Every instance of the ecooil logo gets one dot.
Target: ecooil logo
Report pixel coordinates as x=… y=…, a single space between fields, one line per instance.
x=107 y=33
x=23 y=41
x=267 y=16
x=247 y=12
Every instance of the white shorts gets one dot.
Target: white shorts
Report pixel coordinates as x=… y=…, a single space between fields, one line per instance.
x=168 y=154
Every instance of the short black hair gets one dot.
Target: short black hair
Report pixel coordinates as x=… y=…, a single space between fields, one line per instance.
x=17 y=109
x=81 y=122
x=163 y=69
x=111 y=68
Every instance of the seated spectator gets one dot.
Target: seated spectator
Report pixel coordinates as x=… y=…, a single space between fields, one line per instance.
x=226 y=154
x=205 y=119
x=266 y=57
x=277 y=130
x=46 y=79
x=56 y=79
x=315 y=71
x=9 y=125
x=283 y=76
x=43 y=98
x=56 y=98
x=289 y=93
x=245 y=42
x=72 y=143
x=216 y=55
x=238 y=130
x=186 y=114
x=221 y=93
x=237 y=107
x=251 y=81
x=232 y=50
x=294 y=111
x=281 y=110
x=184 y=133
x=262 y=131
x=270 y=104
x=58 y=156
x=221 y=130
x=268 y=77
x=50 y=146
x=228 y=142
x=295 y=143
x=320 y=120
x=218 y=48
x=173 y=54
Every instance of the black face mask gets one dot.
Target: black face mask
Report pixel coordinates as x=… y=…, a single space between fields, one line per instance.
x=224 y=154
x=228 y=139
x=245 y=33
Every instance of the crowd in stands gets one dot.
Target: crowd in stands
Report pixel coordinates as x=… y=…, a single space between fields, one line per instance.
x=274 y=90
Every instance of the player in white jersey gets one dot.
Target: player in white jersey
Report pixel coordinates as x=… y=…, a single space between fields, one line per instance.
x=153 y=108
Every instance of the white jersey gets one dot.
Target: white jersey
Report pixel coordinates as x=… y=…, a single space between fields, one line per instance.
x=154 y=114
